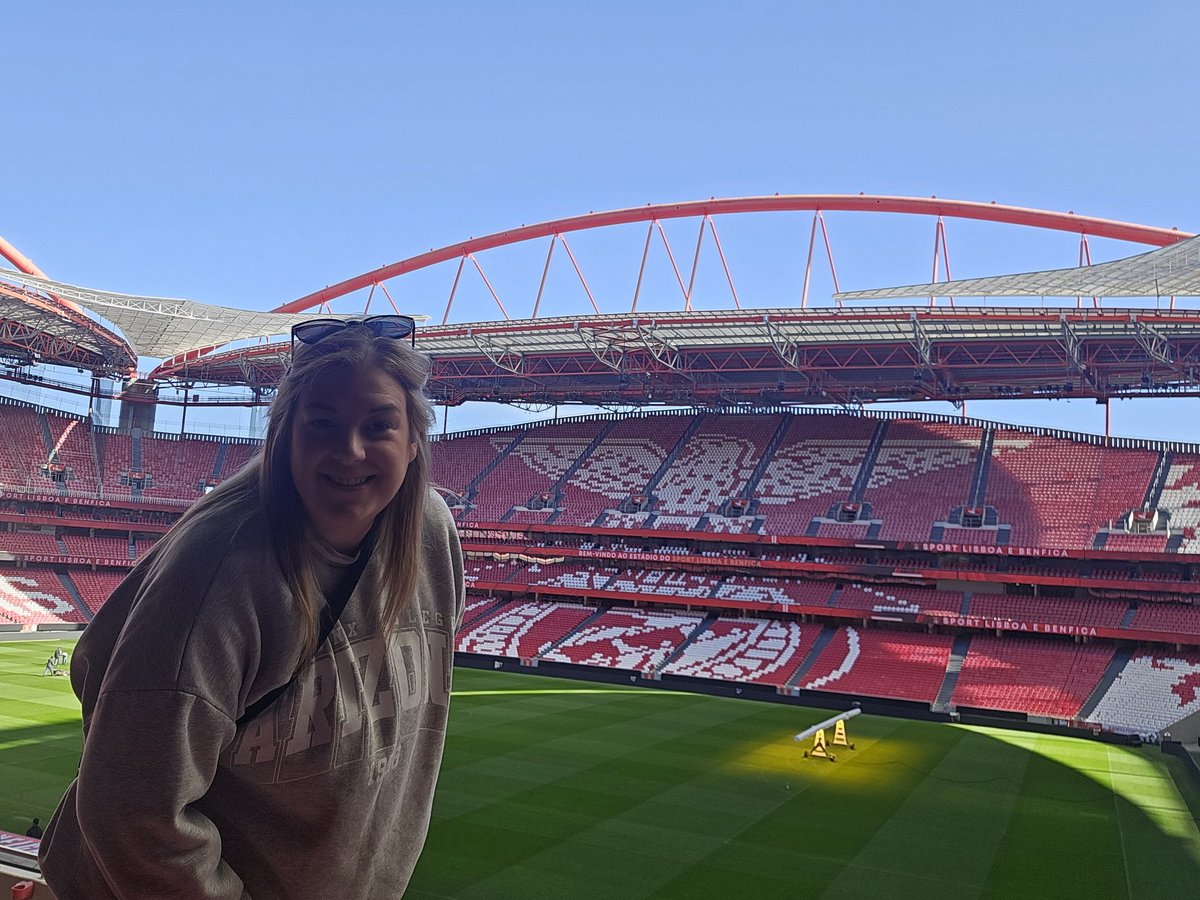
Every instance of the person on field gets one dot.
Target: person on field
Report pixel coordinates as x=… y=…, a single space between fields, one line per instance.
x=265 y=696
x=35 y=829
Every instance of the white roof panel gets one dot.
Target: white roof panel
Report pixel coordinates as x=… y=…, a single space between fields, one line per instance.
x=162 y=327
x=1172 y=271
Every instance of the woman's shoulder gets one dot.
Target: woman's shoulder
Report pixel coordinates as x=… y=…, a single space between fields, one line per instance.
x=216 y=563
x=229 y=531
x=437 y=513
x=194 y=612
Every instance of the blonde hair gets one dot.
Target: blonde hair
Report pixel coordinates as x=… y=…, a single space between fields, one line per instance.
x=268 y=477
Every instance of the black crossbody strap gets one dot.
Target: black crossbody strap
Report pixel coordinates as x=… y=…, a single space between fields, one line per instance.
x=335 y=602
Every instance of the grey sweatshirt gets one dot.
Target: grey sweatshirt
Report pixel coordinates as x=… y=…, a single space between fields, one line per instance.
x=327 y=793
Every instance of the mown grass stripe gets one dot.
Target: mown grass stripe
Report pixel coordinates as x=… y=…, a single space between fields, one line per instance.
x=1062 y=839
x=602 y=767
x=937 y=832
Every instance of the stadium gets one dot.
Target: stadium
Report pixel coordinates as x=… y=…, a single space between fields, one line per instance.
x=743 y=530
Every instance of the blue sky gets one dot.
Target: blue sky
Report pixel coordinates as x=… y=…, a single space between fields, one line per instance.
x=247 y=154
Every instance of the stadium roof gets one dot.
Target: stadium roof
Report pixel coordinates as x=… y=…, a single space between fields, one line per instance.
x=1172 y=271
x=737 y=355
x=38 y=329
x=162 y=327
x=784 y=356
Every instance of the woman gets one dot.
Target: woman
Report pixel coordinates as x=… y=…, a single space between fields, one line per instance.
x=188 y=786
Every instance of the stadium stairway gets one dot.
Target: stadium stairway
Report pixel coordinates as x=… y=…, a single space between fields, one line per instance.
x=51 y=453
x=481 y=613
x=608 y=581
x=863 y=478
x=661 y=471
x=64 y=579
x=1130 y=614
x=785 y=422
x=704 y=625
x=819 y=644
x=99 y=448
x=1158 y=481
x=62 y=546
x=574 y=631
x=670 y=458
x=95 y=447
x=469 y=491
x=557 y=490
x=983 y=465
x=135 y=436
x=958 y=652
x=965 y=608
x=47 y=437
x=219 y=461
x=1115 y=667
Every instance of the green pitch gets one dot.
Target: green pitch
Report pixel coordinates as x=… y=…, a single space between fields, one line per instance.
x=40 y=733
x=556 y=788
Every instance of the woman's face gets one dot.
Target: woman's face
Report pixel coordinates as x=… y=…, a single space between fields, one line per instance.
x=350 y=451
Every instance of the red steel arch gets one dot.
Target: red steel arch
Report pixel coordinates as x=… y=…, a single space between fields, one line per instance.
x=19 y=260
x=24 y=264
x=929 y=206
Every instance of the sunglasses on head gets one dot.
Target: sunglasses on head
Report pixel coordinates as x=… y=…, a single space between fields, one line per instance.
x=389 y=326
